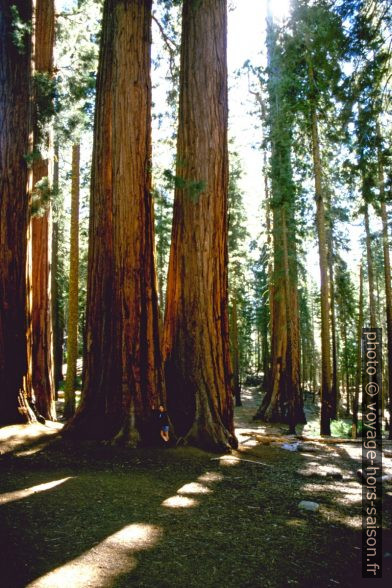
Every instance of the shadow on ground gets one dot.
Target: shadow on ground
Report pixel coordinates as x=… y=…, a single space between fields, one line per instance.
x=91 y=516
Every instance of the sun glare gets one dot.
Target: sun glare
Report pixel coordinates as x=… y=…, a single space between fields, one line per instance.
x=279 y=9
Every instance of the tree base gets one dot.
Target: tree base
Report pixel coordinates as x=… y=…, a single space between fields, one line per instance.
x=215 y=438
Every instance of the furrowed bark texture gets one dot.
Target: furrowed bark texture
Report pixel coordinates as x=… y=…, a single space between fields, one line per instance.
x=196 y=332
x=123 y=373
x=15 y=75
x=42 y=378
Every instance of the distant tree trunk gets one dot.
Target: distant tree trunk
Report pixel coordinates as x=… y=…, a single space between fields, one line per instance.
x=15 y=75
x=123 y=373
x=358 y=371
x=370 y=269
x=235 y=353
x=387 y=273
x=42 y=378
x=73 y=300
x=270 y=272
x=325 y=425
x=196 y=333
x=57 y=318
x=334 y=380
x=283 y=400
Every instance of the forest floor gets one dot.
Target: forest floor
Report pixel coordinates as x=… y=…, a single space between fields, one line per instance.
x=80 y=516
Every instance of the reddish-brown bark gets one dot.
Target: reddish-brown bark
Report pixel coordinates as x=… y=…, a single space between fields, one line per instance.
x=15 y=75
x=122 y=374
x=196 y=333
x=41 y=363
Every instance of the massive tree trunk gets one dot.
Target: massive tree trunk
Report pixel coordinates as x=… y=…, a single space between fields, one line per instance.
x=73 y=299
x=42 y=379
x=15 y=75
x=123 y=373
x=196 y=332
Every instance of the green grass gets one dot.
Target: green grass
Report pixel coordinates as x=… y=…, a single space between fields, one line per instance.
x=111 y=519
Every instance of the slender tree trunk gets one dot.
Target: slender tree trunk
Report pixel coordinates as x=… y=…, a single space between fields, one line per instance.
x=235 y=353
x=15 y=75
x=334 y=379
x=196 y=334
x=267 y=353
x=57 y=308
x=123 y=373
x=325 y=427
x=358 y=371
x=73 y=300
x=370 y=269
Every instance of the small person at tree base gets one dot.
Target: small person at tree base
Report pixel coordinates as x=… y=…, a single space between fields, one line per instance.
x=164 y=423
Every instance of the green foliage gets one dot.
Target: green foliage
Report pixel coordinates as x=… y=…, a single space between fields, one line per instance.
x=41 y=196
x=44 y=94
x=21 y=29
x=192 y=188
x=340 y=428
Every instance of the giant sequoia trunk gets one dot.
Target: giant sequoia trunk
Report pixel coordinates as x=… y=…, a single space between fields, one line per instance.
x=15 y=75
x=41 y=365
x=122 y=374
x=196 y=331
x=73 y=299
x=283 y=400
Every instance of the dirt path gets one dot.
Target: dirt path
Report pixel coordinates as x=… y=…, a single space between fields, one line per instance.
x=76 y=516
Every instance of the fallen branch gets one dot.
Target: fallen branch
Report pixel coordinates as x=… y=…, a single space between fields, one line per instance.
x=235 y=458
x=285 y=438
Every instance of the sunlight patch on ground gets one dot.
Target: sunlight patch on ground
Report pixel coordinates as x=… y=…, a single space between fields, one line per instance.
x=14 y=436
x=296 y=523
x=194 y=488
x=210 y=477
x=104 y=563
x=179 y=502
x=349 y=493
x=228 y=460
x=20 y=494
x=332 y=516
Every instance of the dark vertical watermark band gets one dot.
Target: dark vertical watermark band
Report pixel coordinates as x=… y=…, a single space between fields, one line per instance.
x=371 y=453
